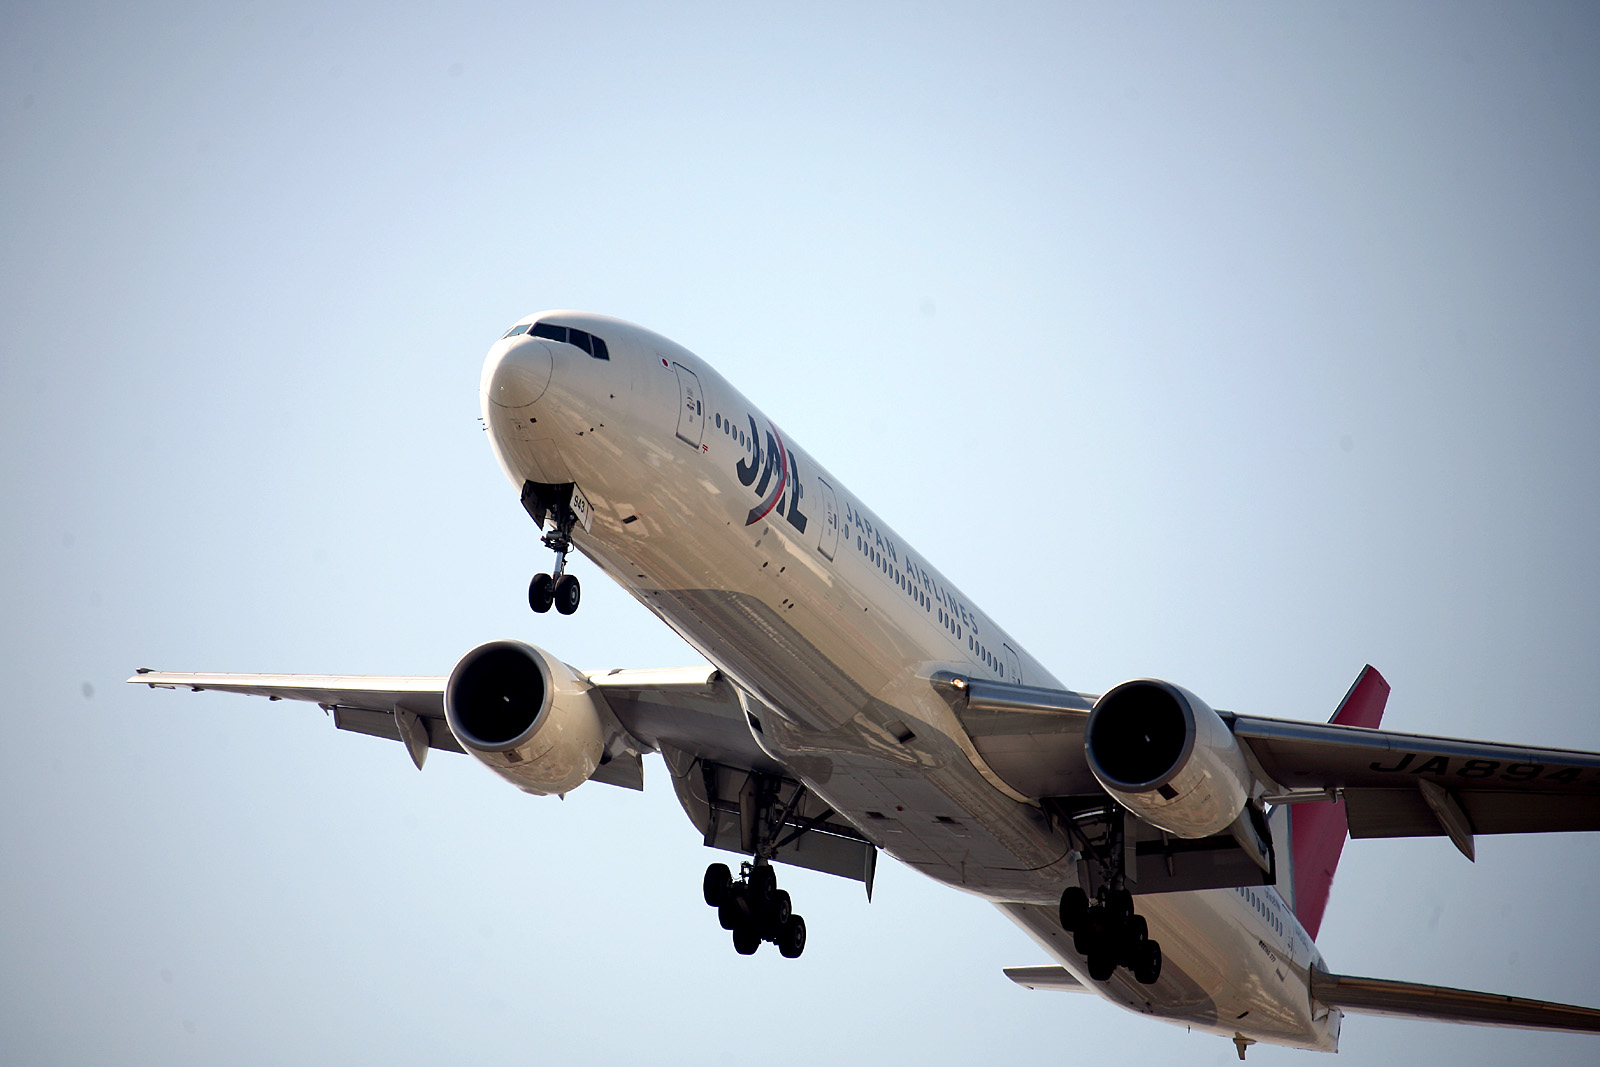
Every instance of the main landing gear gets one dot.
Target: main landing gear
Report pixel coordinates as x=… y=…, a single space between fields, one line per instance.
x=1104 y=929
x=754 y=908
x=1109 y=934
x=559 y=589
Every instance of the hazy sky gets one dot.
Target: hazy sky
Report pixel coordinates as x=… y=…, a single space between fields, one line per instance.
x=1239 y=345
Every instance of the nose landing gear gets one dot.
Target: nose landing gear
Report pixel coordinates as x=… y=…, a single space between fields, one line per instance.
x=557 y=589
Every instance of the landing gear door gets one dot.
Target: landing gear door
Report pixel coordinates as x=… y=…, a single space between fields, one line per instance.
x=829 y=544
x=691 y=408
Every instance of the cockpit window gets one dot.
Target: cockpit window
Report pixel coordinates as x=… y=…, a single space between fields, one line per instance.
x=524 y=328
x=573 y=336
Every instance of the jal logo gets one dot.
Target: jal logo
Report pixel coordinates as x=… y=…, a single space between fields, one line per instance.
x=774 y=475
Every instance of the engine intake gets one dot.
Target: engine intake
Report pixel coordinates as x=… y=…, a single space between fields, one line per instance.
x=526 y=716
x=1167 y=757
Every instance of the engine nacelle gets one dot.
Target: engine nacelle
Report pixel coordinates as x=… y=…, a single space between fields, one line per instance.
x=1168 y=758
x=526 y=716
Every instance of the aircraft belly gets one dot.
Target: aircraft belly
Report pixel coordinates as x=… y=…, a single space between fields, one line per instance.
x=920 y=799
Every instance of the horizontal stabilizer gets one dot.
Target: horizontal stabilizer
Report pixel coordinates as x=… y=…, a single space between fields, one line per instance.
x=1057 y=978
x=1377 y=996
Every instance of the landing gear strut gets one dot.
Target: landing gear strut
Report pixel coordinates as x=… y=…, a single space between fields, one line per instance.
x=1105 y=930
x=754 y=909
x=558 y=589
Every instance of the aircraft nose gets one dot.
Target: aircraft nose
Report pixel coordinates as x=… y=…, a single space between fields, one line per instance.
x=516 y=373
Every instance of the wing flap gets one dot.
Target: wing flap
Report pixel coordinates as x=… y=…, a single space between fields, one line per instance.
x=1057 y=979
x=1378 y=996
x=1403 y=812
x=383 y=724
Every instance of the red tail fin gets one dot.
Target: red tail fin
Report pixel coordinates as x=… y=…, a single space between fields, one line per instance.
x=1317 y=830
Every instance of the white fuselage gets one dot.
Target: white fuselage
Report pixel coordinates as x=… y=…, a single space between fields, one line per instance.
x=833 y=626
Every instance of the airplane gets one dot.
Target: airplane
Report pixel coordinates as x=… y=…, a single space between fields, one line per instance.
x=1174 y=859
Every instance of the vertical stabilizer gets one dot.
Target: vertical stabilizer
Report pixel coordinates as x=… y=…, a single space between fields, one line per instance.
x=1318 y=830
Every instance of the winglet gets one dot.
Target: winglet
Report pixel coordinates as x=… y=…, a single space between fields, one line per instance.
x=1318 y=830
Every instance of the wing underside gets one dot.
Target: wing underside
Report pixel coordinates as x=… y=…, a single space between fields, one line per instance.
x=1393 y=784
x=692 y=716
x=1412 y=1000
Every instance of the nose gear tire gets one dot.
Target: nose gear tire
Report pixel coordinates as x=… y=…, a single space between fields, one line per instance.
x=567 y=594
x=541 y=593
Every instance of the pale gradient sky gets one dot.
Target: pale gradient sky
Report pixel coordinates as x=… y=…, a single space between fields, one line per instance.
x=1238 y=345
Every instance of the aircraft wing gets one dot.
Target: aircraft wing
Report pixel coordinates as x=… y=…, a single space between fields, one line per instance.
x=1413 y=785
x=1379 y=996
x=1393 y=784
x=692 y=716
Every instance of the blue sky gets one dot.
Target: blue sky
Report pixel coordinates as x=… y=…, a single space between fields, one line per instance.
x=1235 y=346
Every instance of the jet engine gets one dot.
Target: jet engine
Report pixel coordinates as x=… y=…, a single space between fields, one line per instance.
x=1167 y=757
x=526 y=716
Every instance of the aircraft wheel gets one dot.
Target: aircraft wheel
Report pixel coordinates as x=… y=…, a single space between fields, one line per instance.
x=567 y=594
x=1092 y=935
x=792 y=937
x=541 y=593
x=717 y=882
x=1074 y=907
x=781 y=909
x=763 y=882
x=1135 y=937
x=1119 y=904
x=745 y=940
x=1102 y=965
x=1148 y=967
x=728 y=914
